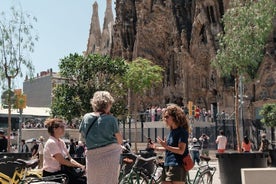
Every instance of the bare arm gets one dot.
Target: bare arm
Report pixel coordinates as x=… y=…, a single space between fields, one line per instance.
x=119 y=138
x=178 y=150
x=70 y=163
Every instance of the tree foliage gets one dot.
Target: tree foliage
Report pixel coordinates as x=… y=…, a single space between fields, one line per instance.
x=268 y=113
x=247 y=26
x=82 y=77
x=17 y=39
x=142 y=74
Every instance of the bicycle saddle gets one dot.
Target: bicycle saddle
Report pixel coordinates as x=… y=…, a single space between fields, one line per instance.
x=28 y=163
x=205 y=158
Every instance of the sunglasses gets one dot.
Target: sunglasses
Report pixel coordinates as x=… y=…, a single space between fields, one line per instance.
x=59 y=126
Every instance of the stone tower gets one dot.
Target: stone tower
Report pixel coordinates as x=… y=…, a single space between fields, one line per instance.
x=94 y=39
x=106 y=38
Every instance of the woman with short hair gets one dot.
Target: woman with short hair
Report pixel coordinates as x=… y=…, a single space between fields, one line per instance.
x=103 y=140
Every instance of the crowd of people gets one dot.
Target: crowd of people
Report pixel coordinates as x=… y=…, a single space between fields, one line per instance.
x=103 y=140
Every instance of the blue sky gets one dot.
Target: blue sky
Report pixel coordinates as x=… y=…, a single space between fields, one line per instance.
x=62 y=26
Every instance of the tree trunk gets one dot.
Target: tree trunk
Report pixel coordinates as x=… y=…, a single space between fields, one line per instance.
x=9 y=115
x=237 y=113
x=135 y=115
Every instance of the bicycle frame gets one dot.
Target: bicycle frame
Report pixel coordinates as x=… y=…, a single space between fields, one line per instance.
x=137 y=173
x=201 y=170
x=17 y=176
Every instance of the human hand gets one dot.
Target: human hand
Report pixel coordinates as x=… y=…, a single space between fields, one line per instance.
x=83 y=167
x=162 y=142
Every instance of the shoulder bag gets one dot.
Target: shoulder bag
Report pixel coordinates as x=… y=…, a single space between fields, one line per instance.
x=188 y=163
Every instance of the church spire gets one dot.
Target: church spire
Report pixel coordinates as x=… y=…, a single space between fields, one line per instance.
x=108 y=14
x=106 y=38
x=94 y=38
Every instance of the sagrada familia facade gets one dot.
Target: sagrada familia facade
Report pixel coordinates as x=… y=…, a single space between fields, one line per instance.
x=180 y=36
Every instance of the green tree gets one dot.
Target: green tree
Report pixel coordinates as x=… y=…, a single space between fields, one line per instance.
x=82 y=77
x=17 y=38
x=141 y=75
x=247 y=26
x=268 y=113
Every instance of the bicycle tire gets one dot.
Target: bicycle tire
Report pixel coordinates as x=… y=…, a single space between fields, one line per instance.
x=205 y=178
x=134 y=178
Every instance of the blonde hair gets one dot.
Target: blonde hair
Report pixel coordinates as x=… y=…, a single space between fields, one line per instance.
x=101 y=100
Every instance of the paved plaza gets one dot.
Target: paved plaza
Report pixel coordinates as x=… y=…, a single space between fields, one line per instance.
x=213 y=163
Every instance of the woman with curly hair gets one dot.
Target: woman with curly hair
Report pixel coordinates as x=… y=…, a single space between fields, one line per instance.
x=175 y=145
x=103 y=139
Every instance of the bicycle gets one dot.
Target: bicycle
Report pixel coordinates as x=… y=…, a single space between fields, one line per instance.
x=21 y=172
x=204 y=173
x=139 y=174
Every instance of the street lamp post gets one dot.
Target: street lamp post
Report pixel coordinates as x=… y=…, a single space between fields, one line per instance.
x=20 y=129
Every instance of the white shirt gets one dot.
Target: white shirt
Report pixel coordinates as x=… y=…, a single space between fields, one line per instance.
x=52 y=147
x=221 y=141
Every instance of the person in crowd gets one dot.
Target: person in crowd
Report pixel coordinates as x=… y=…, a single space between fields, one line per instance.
x=204 y=141
x=55 y=153
x=24 y=147
x=72 y=148
x=34 y=149
x=221 y=141
x=194 y=150
x=264 y=147
x=40 y=151
x=103 y=140
x=3 y=141
x=152 y=113
x=197 y=113
x=175 y=145
x=80 y=149
x=246 y=144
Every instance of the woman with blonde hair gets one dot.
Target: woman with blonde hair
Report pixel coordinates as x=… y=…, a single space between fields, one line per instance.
x=175 y=145
x=103 y=140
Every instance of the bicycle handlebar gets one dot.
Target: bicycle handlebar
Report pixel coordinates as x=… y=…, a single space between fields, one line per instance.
x=139 y=157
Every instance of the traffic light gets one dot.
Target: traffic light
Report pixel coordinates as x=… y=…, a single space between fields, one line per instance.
x=20 y=99
x=190 y=107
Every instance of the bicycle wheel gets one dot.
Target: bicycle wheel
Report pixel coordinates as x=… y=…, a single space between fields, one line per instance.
x=134 y=178
x=204 y=178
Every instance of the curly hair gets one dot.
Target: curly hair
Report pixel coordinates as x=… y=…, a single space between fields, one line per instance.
x=101 y=100
x=177 y=115
x=52 y=123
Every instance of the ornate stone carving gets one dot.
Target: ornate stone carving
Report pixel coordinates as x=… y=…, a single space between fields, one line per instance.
x=180 y=36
